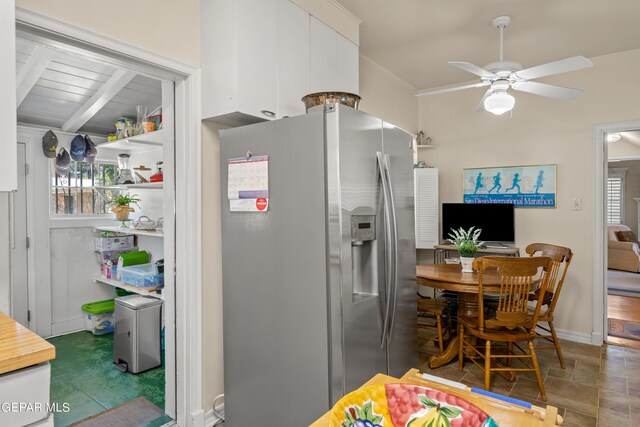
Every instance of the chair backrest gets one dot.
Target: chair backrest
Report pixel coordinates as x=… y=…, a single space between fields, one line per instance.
x=517 y=277
x=561 y=258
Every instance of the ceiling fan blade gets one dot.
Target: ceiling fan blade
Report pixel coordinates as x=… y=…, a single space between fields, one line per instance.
x=474 y=69
x=543 y=89
x=451 y=88
x=480 y=108
x=563 y=66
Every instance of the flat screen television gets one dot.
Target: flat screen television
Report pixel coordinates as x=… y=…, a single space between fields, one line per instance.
x=495 y=220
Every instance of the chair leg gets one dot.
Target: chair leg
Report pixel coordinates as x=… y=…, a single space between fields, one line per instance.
x=509 y=352
x=461 y=347
x=534 y=359
x=556 y=343
x=439 y=324
x=487 y=365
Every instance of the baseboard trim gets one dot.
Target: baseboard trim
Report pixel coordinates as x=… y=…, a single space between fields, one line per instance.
x=210 y=419
x=198 y=418
x=581 y=337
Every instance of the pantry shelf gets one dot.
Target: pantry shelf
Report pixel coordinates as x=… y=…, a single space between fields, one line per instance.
x=149 y=140
x=133 y=231
x=146 y=186
x=135 y=289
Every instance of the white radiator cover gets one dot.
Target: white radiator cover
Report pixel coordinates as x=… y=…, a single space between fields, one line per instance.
x=427 y=212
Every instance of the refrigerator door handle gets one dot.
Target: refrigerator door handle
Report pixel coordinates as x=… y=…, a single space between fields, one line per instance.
x=388 y=240
x=394 y=229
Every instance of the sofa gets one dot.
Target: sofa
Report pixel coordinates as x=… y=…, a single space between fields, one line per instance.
x=622 y=255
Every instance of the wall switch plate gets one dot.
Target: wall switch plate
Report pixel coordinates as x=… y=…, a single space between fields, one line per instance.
x=576 y=204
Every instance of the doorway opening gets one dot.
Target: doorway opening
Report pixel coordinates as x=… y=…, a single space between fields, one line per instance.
x=622 y=214
x=69 y=255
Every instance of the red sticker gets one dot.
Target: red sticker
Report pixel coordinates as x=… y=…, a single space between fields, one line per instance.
x=261 y=204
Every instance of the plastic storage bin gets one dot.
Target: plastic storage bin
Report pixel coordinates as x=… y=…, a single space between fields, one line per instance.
x=142 y=275
x=113 y=243
x=98 y=316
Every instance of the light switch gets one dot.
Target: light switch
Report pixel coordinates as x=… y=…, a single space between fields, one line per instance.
x=576 y=204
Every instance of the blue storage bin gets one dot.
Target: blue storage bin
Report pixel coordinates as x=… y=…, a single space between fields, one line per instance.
x=143 y=275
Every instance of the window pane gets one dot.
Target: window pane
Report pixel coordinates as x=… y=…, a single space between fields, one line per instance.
x=74 y=194
x=614 y=200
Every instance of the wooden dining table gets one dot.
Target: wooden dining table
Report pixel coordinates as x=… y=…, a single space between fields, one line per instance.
x=449 y=277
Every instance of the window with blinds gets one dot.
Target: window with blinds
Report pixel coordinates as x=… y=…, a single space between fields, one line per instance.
x=615 y=195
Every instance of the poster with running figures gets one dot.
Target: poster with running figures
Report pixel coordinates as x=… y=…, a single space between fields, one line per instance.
x=524 y=186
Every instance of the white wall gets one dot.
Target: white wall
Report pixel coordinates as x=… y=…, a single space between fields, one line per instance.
x=540 y=131
x=213 y=375
x=166 y=27
x=386 y=96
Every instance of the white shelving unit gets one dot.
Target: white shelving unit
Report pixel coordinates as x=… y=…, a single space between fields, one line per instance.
x=145 y=186
x=150 y=140
x=135 y=289
x=133 y=231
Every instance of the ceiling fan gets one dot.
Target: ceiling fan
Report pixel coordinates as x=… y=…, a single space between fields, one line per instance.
x=502 y=75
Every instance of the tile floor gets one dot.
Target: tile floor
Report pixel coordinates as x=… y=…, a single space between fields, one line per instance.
x=83 y=375
x=599 y=387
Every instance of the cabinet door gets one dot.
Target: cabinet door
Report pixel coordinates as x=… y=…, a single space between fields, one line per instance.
x=347 y=66
x=257 y=57
x=323 y=55
x=426 y=206
x=293 y=58
x=8 y=146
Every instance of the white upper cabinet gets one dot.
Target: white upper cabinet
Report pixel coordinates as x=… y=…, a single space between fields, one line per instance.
x=324 y=54
x=293 y=58
x=8 y=120
x=260 y=57
x=239 y=60
x=334 y=60
x=347 y=66
x=257 y=53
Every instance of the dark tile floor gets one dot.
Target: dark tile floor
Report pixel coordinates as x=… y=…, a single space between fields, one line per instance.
x=83 y=375
x=600 y=386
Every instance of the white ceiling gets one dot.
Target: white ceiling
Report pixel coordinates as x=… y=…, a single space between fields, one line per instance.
x=414 y=39
x=66 y=81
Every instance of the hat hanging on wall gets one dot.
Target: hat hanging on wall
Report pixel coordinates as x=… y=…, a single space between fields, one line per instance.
x=78 y=148
x=62 y=162
x=90 y=150
x=49 y=144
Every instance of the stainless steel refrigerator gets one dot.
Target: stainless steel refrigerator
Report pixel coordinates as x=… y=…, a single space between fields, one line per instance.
x=319 y=290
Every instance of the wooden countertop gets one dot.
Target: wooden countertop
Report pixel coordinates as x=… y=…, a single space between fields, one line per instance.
x=19 y=347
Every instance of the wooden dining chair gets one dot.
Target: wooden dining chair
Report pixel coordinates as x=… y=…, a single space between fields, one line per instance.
x=433 y=316
x=510 y=322
x=561 y=258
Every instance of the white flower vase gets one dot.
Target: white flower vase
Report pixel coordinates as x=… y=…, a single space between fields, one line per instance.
x=467 y=264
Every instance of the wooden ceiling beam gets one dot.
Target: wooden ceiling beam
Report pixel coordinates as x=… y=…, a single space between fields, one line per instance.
x=31 y=72
x=103 y=95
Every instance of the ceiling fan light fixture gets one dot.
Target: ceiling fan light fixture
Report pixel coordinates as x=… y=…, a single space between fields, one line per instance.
x=499 y=103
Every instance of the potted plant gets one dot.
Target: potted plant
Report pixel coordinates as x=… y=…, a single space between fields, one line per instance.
x=467 y=244
x=122 y=206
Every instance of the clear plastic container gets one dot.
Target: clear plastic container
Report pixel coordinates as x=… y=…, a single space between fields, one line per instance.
x=98 y=316
x=143 y=275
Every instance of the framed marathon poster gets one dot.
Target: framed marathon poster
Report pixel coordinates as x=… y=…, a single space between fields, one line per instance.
x=524 y=186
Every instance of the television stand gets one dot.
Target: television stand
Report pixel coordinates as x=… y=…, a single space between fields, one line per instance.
x=496 y=246
x=441 y=252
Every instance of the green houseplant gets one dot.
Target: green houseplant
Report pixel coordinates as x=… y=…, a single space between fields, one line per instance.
x=121 y=205
x=467 y=244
